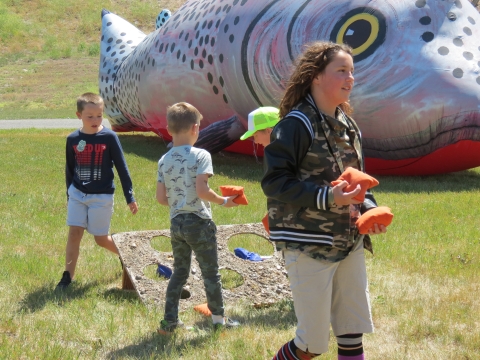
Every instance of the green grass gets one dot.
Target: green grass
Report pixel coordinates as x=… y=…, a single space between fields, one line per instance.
x=424 y=281
x=423 y=278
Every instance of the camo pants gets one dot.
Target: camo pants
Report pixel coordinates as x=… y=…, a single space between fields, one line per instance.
x=190 y=232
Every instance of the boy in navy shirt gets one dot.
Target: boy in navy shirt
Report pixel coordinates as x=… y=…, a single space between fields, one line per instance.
x=91 y=153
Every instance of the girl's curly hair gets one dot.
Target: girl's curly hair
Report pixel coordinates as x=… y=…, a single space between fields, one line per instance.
x=309 y=64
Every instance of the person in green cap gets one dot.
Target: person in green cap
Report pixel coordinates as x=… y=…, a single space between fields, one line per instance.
x=260 y=124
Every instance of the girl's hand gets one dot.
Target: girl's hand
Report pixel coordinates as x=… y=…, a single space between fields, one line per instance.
x=345 y=198
x=377 y=229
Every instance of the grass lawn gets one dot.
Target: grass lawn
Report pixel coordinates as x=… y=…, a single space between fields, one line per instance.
x=424 y=279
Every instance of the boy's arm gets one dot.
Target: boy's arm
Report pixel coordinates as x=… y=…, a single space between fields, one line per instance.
x=69 y=165
x=122 y=170
x=205 y=193
x=162 y=193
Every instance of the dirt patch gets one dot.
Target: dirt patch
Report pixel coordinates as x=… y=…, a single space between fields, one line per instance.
x=264 y=282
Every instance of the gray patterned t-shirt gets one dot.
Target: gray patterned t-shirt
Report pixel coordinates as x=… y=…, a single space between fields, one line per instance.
x=178 y=170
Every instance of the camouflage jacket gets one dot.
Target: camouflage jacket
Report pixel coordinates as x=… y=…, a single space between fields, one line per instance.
x=300 y=163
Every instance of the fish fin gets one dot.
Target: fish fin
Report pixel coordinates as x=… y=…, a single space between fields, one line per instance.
x=162 y=18
x=220 y=134
x=119 y=40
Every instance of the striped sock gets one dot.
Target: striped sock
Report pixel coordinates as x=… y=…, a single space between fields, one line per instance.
x=350 y=347
x=290 y=351
x=287 y=352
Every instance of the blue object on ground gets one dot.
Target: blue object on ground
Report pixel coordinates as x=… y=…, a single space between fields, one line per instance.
x=164 y=271
x=247 y=255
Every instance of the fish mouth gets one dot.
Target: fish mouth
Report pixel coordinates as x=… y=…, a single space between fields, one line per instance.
x=443 y=132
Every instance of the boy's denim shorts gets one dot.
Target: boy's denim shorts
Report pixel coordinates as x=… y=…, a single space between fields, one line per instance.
x=90 y=211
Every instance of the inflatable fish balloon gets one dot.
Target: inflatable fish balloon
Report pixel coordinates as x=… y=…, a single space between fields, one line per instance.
x=417 y=72
x=164 y=15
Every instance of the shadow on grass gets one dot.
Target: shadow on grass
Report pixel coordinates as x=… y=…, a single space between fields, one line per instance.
x=47 y=293
x=279 y=316
x=161 y=347
x=37 y=299
x=467 y=180
x=224 y=163
x=120 y=295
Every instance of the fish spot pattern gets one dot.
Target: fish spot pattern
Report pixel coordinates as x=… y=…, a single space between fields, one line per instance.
x=458 y=42
x=119 y=46
x=420 y=3
x=128 y=56
x=208 y=17
x=426 y=20
x=458 y=73
x=428 y=36
x=443 y=50
x=468 y=55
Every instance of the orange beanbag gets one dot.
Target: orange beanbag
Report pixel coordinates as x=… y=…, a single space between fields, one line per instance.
x=381 y=215
x=355 y=177
x=203 y=309
x=229 y=190
x=265 y=223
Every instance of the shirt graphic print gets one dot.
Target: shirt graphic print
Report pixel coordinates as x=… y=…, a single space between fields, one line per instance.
x=89 y=161
x=178 y=170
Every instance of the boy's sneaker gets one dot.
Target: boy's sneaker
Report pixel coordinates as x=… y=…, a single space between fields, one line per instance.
x=229 y=323
x=166 y=328
x=66 y=280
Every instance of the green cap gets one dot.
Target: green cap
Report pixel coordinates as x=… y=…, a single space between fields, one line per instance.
x=262 y=118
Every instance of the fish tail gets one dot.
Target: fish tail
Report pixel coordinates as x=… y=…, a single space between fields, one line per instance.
x=119 y=40
x=162 y=18
x=221 y=134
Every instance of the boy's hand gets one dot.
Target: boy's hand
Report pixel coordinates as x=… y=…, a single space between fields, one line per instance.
x=230 y=202
x=133 y=207
x=345 y=198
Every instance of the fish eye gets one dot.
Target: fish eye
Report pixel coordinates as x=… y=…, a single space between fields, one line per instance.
x=363 y=29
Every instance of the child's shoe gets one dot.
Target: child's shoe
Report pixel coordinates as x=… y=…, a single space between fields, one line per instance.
x=66 y=280
x=229 y=323
x=167 y=328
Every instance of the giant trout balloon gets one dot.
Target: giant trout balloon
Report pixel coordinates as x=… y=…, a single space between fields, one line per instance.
x=417 y=74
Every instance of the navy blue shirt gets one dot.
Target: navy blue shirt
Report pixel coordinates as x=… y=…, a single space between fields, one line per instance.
x=90 y=160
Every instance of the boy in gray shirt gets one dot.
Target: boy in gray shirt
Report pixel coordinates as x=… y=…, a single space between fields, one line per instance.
x=182 y=185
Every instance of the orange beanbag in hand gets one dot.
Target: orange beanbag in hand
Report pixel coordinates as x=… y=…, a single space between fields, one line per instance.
x=355 y=177
x=230 y=190
x=265 y=223
x=381 y=215
x=203 y=309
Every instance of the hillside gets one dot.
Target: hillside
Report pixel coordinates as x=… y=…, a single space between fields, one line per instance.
x=49 y=51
